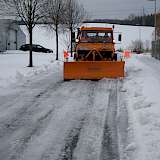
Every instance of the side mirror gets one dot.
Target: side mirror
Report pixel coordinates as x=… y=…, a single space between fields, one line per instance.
x=119 y=37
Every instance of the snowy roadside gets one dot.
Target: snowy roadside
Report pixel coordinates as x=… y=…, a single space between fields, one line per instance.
x=142 y=86
x=14 y=68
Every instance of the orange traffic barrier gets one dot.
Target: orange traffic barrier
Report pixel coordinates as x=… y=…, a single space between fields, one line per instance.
x=127 y=54
x=66 y=54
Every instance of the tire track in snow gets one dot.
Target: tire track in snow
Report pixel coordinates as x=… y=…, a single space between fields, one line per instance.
x=8 y=126
x=72 y=139
x=40 y=124
x=19 y=91
x=124 y=133
x=22 y=124
x=71 y=142
x=110 y=149
x=10 y=99
x=70 y=112
x=89 y=144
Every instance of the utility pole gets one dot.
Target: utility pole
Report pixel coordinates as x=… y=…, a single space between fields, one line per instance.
x=155 y=18
x=140 y=44
x=155 y=25
x=143 y=17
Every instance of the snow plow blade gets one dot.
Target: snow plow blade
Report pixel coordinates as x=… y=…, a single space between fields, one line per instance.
x=93 y=70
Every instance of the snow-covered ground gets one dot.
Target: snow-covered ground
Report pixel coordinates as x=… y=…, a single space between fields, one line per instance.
x=142 y=86
x=44 y=118
x=13 y=65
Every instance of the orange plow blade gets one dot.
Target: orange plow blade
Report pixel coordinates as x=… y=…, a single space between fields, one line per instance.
x=93 y=70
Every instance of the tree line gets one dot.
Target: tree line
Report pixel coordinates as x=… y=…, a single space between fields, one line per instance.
x=59 y=14
x=145 y=20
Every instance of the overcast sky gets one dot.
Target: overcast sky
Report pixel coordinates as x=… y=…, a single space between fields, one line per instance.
x=118 y=8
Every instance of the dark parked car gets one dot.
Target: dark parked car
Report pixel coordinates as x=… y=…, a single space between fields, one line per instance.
x=36 y=48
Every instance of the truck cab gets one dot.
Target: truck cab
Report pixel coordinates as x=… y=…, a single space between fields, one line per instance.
x=95 y=43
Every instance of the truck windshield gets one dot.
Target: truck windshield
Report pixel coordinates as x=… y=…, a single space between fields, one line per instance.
x=96 y=36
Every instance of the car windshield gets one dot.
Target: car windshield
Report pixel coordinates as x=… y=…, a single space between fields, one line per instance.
x=96 y=36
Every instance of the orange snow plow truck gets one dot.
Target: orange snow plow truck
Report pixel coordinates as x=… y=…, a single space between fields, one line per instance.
x=95 y=56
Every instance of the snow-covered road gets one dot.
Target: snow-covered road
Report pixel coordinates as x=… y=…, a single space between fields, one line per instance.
x=50 y=119
x=44 y=118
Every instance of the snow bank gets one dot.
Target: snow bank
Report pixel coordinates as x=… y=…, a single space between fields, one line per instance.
x=143 y=85
x=14 y=68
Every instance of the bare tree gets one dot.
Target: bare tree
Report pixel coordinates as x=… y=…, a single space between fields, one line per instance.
x=131 y=17
x=53 y=12
x=29 y=11
x=73 y=17
x=136 y=45
x=147 y=44
x=65 y=41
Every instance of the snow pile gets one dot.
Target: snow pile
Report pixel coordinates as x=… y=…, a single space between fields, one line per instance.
x=14 y=52
x=14 y=66
x=143 y=85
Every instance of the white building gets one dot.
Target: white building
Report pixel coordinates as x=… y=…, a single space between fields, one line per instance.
x=11 y=35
